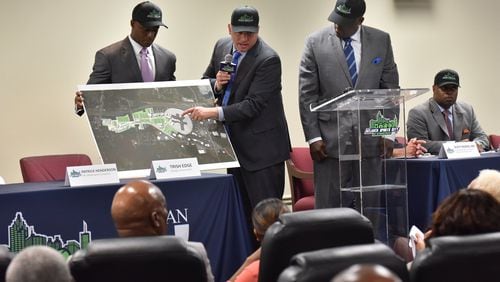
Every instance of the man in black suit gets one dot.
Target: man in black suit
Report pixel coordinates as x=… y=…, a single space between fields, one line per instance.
x=249 y=102
x=122 y=62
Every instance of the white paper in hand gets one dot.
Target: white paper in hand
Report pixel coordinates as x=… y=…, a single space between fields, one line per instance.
x=413 y=237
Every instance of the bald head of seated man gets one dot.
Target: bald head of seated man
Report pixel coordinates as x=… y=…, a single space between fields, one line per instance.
x=139 y=208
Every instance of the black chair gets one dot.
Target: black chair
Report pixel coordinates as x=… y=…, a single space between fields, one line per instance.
x=310 y=230
x=155 y=258
x=5 y=258
x=322 y=265
x=459 y=259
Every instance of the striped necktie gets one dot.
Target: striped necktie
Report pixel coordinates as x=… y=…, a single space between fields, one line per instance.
x=227 y=93
x=351 y=61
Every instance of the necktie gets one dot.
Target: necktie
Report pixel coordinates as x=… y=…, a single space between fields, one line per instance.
x=351 y=61
x=146 y=68
x=227 y=93
x=446 y=115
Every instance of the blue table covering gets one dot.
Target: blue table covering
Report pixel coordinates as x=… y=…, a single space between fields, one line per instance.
x=209 y=206
x=431 y=180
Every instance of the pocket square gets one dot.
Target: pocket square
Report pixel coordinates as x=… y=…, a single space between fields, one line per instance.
x=377 y=61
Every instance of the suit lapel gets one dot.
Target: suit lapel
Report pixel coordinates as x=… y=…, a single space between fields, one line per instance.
x=129 y=59
x=338 y=51
x=246 y=63
x=159 y=61
x=438 y=117
x=458 y=122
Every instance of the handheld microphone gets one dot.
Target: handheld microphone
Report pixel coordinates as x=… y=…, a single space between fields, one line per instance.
x=227 y=64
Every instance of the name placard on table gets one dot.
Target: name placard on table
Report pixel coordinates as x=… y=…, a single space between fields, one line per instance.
x=458 y=150
x=91 y=175
x=165 y=169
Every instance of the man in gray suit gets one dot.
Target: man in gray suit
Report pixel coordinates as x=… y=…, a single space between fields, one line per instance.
x=249 y=102
x=325 y=74
x=428 y=122
x=121 y=62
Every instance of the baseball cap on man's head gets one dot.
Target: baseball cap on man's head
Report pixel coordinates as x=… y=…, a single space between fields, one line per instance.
x=446 y=77
x=147 y=14
x=245 y=19
x=347 y=11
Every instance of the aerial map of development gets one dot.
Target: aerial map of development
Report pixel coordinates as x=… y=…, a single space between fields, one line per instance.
x=136 y=123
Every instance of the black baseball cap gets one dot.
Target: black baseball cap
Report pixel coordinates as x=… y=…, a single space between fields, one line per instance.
x=245 y=19
x=347 y=11
x=446 y=77
x=147 y=14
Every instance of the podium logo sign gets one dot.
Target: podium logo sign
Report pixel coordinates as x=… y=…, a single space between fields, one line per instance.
x=382 y=126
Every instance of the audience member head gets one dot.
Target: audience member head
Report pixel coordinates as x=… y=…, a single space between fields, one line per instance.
x=265 y=213
x=466 y=212
x=38 y=264
x=139 y=208
x=146 y=20
x=445 y=88
x=489 y=181
x=366 y=273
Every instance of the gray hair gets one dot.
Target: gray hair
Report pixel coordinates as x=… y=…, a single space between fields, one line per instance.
x=38 y=264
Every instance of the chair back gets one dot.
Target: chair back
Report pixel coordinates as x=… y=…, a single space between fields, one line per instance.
x=5 y=258
x=495 y=141
x=154 y=258
x=300 y=173
x=322 y=265
x=50 y=167
x=459 y=259
x=310 y=230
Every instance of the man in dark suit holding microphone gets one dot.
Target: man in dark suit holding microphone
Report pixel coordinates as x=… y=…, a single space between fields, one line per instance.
x=249 y=102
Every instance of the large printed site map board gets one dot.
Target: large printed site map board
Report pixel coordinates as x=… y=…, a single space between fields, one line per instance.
x=136 y=123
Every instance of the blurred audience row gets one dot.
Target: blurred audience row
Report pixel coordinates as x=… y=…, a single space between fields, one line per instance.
x=139 y=209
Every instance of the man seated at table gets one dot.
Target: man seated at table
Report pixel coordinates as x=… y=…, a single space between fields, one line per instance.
x=442 y=118
x=139 y=208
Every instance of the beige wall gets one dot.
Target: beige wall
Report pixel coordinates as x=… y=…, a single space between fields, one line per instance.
x=48 y=48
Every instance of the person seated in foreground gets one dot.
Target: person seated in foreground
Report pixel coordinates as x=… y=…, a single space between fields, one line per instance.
x=139 y=208
x=489 y=181
x=38 y=264
x=265 y=213
x=366 y=273
x=465 y=212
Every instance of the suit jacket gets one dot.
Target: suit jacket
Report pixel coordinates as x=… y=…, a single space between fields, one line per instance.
x=254 y=115
x=117 y=63
x=426 y=122
x=323 y=75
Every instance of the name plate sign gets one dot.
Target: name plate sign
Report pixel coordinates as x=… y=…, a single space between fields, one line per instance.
x=91 y=175
x=459 y=150
x=174 y=168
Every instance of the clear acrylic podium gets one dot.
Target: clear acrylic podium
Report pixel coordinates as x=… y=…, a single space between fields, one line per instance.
x=367 y=124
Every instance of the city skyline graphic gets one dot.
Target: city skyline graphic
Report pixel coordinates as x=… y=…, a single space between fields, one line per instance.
x=22 y=235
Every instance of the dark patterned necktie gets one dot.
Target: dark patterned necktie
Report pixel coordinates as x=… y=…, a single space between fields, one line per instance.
x=446 y=115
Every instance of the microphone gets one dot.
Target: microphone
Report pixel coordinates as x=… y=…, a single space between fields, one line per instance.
x=227 y=64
